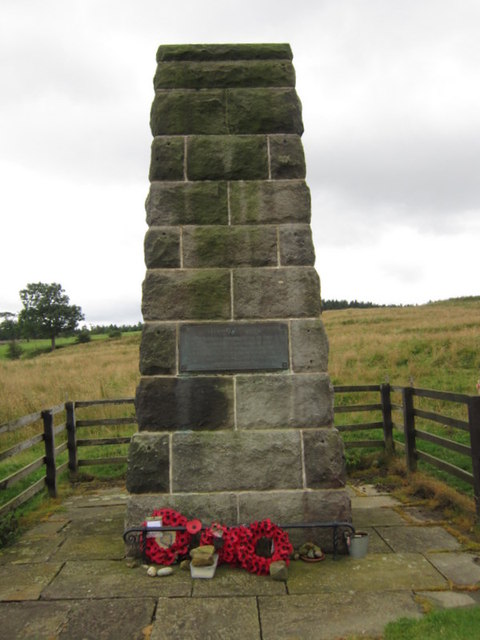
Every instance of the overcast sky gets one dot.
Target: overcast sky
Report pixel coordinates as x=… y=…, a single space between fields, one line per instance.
x=391 y=108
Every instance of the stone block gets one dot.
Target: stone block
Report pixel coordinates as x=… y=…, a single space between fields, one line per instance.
x=202 y=402
x=167 y=158
x=227 y=158
x=162 y=248
x=264 y=111
x=224 y=73
x=207 y=507
x=291 y=292
x=236 y=461
x=296 y=245
x=148 y=466
x=324 y=459
x=158 y=349
x=309 y=345
x=187 y=112
x=284 y=401
x=186 y=295
x=277 y=202
x=296 y=507
x=197 y=52
x=287 y=159
x=222 y=246
x=179 y=203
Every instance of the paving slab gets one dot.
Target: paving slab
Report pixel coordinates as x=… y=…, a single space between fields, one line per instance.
x=96 y=521
x=26 y=581
x=94 y=547
x=231 y=581
x=334 y=615
x=376 y=572
x=461 y=569
x=46 y=529
x=106 y=619
x=32 y=550
x=418 y=539
x=207 y=618
x=449 y=599
x=376 y=544
x=373 y=502
x=376 y=516
x=113 y=579
x=32 y=620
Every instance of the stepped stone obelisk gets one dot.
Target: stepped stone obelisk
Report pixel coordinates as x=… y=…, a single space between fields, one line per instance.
x=234 y=406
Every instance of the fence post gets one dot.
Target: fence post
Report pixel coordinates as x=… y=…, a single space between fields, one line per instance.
x=409 y=428
x=71 y=437
x=474 y=427
x=50 y=464
x=387 y=418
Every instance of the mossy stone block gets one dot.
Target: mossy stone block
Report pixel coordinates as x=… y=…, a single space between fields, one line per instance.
x=186 y=112
x=158 y=349
x=148 y=466
x=270 y=202
x=220 y=246
x=186 y=295
x=284 y=401
x=196 y=52
x=236 y=461
x=324 y=459
x=171 y=404
x=162 y=248
x=309 y=345
x=290 y=292
x=179 y=203
x=264 y=111
x=296 y=245
x=287 y=159
x=227 y=158
x=224 y=74
x=167 y=158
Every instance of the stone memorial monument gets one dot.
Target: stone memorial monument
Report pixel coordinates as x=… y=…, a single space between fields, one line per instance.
x=234 y=405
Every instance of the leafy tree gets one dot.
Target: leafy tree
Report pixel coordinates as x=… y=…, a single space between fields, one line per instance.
x=47 y=311
x=9 y=329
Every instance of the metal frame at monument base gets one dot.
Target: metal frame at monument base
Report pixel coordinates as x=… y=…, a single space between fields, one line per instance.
x=136 y=536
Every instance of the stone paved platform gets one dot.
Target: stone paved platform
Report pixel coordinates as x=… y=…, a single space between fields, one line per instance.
x=67 y=578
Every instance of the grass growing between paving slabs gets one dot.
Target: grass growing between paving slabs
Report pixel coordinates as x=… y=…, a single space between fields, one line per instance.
x=451 y=624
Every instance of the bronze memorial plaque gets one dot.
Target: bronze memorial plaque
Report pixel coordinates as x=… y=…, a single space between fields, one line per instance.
x=260 y=346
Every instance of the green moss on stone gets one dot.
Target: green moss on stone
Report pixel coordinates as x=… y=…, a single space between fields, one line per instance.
x=266 y=51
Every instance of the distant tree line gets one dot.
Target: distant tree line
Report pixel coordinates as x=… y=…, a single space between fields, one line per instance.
x=328 y=305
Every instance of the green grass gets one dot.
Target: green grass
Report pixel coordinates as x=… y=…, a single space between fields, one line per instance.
x=450 y=624
x=33 y=348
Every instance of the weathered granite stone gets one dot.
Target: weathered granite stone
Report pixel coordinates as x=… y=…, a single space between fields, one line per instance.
x=148 y=467
x=186 y=112
x=264 y=111
x=178 y=203
x=309 y=345
x=292 y=292
x=324 y=459
x=158 y=349
x=186 y=295
x=234 y=461
x=196 y=52
x=162 y=248
x=283 y=401
x=296 y=245
x=215 y=246
x=165 y=404
x=207 y=507
x=287 y=159
x=227 y=158
x=295 y=507
x=167 y=158
x=272 y=202
x=255 y=73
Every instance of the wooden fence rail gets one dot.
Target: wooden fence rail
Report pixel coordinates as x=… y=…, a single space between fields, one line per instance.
x=382 y=406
